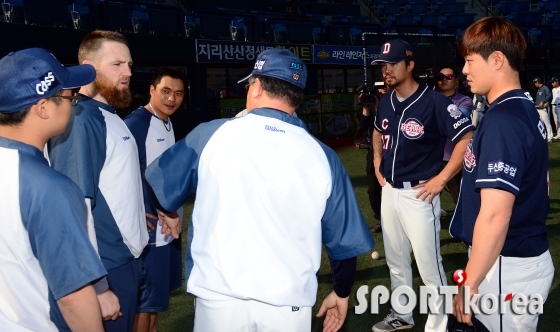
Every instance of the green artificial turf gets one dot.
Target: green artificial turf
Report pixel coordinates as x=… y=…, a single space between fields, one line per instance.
x=371 y=272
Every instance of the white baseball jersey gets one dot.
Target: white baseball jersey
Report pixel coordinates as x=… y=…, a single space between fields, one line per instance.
x=98 y=152
x=153 y=136
x=44 y=250
x=267 y=194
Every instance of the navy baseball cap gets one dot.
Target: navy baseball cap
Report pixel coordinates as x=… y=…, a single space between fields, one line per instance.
x=553 y=79
x=537 y=79
x=394 y=51
x=30 y=75
x=281 y=64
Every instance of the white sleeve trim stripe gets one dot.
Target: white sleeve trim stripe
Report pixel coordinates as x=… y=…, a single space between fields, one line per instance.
x=516 y=97
x=499 y=179
x=459 y=133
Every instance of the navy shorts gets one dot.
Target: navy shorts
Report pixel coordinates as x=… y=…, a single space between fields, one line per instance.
x=161 y=275
x=124 y=281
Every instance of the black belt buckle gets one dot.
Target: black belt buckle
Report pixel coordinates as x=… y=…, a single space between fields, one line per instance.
x=400 y=184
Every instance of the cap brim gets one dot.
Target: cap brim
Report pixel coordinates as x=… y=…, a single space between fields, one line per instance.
x=244 y=78
x=79 y=76
x=379 y=62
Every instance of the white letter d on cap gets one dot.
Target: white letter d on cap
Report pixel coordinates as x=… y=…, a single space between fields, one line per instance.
x=386 y=48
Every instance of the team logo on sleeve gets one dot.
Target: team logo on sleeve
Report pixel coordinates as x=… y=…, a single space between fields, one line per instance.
x=469 y=161
x=528 y=95
x=499 y=167
x=412 y=129
x=454 y=112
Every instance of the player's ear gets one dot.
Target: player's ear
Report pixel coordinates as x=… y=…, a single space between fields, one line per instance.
x=41 y=109
x=497 y=59
x=410 y=66
x=257 y=89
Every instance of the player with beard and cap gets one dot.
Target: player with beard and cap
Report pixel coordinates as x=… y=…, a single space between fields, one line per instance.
x=98 y=152
x=411 y=128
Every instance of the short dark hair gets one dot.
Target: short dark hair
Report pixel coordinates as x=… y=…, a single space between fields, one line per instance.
x=16 y=118
x=280 y=89
x=161 y=72
x=491 y=34
x=450 y=66
x=94 y=40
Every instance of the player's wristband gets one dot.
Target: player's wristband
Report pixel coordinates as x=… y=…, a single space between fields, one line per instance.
x=343 y=272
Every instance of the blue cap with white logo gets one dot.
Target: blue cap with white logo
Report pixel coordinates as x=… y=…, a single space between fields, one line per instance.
x=30 y=75
x=394 y=51
x=281 y=64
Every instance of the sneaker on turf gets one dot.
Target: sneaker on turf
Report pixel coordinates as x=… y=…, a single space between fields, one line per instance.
x=376 y=228
x=444 y=213
x=391 y=323
x=556 y=137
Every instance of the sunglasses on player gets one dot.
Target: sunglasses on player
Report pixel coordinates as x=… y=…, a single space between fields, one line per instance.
x=442 y=77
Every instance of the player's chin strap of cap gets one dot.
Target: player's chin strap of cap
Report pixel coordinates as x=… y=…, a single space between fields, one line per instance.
x=404 y=184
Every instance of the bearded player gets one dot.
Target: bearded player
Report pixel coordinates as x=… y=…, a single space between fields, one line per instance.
x=411 y=127
x=99 y=154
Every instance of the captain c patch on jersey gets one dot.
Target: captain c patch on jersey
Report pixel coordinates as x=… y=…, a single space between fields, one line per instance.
x=502 y=167
x=412 y=129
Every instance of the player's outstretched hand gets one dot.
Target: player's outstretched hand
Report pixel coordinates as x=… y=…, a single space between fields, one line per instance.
x=109 y=304
x=336 y=309
x=430 y=189
x=171 y=223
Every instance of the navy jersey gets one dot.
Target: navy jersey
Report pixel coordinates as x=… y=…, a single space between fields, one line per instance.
x=509 y=152
x=267 y=194
x=414 y=133
x=153 y=136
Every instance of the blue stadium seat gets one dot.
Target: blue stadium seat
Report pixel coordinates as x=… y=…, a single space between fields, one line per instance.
x=47 y=13
x=528 y=18
x=417 y=8
x=404 y=19
x=513 y=7
x=429 y=20
x=460 y=20
x=550 y=6
x=451 y=8
x=389 y=8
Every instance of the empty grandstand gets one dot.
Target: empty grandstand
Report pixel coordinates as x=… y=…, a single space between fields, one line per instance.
x=216 y=41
